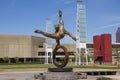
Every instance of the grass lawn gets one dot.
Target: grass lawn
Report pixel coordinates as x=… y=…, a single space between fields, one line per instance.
x=25 y=66
x=45 y=66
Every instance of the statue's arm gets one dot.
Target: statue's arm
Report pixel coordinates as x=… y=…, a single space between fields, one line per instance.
x=60 y=17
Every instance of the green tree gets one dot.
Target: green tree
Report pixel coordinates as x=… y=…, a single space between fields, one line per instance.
x=16 y=59
x=118 y=58
x=117 y=54
x=6 y=59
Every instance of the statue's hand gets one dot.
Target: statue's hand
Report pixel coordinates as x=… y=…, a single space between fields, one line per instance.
x=60 y=13
x=37 y=31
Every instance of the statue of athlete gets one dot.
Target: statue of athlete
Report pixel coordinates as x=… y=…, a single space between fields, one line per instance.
x=59 y=31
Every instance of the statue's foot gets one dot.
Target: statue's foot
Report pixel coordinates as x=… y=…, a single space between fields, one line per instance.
x=37 y=31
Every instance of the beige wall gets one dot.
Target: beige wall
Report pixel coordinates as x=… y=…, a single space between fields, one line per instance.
x=70 y=47
x=36 y=42
x=19 y=46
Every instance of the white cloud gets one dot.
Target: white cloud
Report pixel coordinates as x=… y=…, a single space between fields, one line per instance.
x=68 y=1
x=110 y=18
x=65 y=1
x=101 y=1
x=115 y=18
x=107 y=18
x=107 y=26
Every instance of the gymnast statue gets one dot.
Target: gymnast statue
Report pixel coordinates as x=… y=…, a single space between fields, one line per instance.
x=59 y=31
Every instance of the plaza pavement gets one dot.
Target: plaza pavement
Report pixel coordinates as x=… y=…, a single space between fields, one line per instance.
x=29 y=74
x=26 y=75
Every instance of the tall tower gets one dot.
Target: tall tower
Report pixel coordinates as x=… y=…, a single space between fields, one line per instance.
x=118 y=35
x=48 y=54
x=81 y=32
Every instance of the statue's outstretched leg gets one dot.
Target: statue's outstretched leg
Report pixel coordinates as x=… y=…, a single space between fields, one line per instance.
x=54 y=35
x=68 y=33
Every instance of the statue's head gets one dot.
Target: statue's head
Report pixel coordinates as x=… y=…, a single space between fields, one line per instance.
x=57 y=27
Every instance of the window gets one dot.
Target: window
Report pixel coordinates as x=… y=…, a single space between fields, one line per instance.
x=41 y=53
x=40 y=46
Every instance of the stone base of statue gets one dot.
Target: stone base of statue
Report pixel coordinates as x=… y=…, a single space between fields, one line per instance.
x=57 y=76
x=60 y=69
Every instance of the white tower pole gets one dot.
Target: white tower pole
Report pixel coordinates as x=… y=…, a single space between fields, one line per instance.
x=48 y=43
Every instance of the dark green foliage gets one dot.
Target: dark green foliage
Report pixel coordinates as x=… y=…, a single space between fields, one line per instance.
x=5 y=59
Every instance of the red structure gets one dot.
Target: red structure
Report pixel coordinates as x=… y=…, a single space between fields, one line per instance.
x=102 y=48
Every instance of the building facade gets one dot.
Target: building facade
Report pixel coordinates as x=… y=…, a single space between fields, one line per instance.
x=118 y=35
x=32 y=49
x=22 y=46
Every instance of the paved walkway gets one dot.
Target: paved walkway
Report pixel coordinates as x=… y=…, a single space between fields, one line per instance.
x=22 y=75
x=26 y=75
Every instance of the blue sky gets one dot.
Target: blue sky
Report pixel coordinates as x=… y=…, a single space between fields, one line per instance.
x=24 y=16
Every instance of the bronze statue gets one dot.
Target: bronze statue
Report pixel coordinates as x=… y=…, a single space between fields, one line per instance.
x=59 y=34
x=59 y=31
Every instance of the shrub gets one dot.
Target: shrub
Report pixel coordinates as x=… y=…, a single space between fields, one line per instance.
x=16 y=59
x=6 y=59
